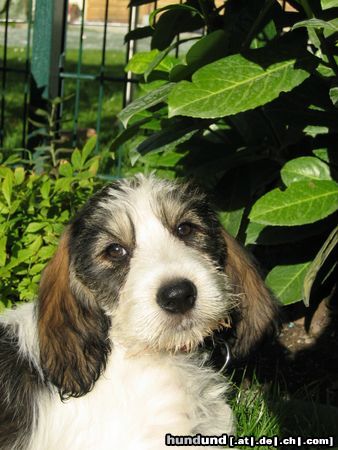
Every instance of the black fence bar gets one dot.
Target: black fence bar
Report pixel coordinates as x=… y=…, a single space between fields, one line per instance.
x=4 y=76
x=44 y=73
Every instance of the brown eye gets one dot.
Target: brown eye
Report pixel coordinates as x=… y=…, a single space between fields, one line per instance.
x=184 y=229
x=116 y=251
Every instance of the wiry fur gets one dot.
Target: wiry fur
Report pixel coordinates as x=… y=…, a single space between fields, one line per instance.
x=97 y=363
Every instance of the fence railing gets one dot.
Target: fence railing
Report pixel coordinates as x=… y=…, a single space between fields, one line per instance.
x=52 y=55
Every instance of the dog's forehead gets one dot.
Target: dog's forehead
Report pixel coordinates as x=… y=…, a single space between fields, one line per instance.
x=148 y=207
x=145 y=194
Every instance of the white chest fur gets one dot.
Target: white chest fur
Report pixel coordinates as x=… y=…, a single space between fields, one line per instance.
x=134 y=404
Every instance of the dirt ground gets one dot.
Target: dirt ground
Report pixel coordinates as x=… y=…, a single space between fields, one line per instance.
x=305 y=353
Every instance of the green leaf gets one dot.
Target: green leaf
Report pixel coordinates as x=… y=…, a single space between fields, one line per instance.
x=35 y=245
x=138 y=33
x=188 y=8
x=46 y=252
x=334 y=95
x=88 y=149
x=156 y=160
x=231 y=85
x=19 y=175
x=66 y=169
x=286 y=282
x=144 y=102
x=7 y=187
x=328 y=247
x=45 y=189
x=168 y=138
x=36 y=269
x=94 y=167
x=63 y=184
x=76 y=159
x=256 y=233
x=162 y=61
x=33 y=227
x=327 y=4
x=305 y=168
x=173 y=22
x=3 y=254
x=301 y=203
x=316 y=23
x=206 y=50
x=322 y=154
x=140 y=62
x=231 y=220
x=4 y=171
x=41 y=112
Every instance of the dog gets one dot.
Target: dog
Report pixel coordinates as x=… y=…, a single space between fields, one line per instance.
x=107 y=358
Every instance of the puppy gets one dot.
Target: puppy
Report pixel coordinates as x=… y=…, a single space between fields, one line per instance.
x=107 y=357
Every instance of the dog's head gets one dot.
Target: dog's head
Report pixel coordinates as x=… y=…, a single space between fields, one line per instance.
x=146 y=264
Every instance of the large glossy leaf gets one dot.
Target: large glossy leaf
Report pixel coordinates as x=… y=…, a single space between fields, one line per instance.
x=168 y=138
x=146 y=101
x=330 y=245
x=316 y=24
x=206 y=50
x=256 y=233
x=140 y=62
x=231 y=85
x=301 y=203
x=286 y=282
x=231 y=220
x=179 y=7
x=138 y=33
x=326 y=4
x=175 y=21
x=162 y=60
x=128 y=133
x=305 y=168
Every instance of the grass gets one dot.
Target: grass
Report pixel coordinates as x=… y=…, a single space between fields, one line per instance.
x=89 y=93
x=269 y=410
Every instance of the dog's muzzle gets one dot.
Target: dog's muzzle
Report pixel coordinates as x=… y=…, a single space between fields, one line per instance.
x=177 y=296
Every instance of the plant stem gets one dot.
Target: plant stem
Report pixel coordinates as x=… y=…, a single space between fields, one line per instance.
x=205 y=13
x=257 y=23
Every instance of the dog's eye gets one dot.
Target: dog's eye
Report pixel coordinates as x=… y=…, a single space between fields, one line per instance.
x=116 y=251
x=184 y=229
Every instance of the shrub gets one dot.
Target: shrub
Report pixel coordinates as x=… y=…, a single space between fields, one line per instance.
x=33 y=210
x=251 y=113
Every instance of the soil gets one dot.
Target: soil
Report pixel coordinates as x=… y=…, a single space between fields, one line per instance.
x=305 y=354
x=298 y=372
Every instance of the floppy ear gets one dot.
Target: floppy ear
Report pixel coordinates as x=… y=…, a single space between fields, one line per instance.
x=73 y=329
x=257 y=313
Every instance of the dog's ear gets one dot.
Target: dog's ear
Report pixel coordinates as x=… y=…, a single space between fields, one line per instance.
x=256 y=315
x=73 y=329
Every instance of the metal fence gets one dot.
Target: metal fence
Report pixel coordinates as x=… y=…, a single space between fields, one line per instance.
x=47 y=54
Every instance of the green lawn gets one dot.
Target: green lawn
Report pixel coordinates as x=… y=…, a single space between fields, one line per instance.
x=88 y=99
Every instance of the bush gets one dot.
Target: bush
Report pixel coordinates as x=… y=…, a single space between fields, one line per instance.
x=33 y=210
x=251 y=113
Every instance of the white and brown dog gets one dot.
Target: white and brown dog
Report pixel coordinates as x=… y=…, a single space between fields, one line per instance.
x=107 y=357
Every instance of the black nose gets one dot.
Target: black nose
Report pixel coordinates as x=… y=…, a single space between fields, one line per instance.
x=177 y=296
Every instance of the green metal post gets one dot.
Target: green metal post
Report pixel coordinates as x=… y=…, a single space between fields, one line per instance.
x=48 y=47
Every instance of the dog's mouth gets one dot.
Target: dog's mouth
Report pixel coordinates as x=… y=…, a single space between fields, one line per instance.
x=188 y=335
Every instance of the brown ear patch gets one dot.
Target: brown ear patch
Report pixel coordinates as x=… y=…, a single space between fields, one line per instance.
x=73 y=334
x=257 y=313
